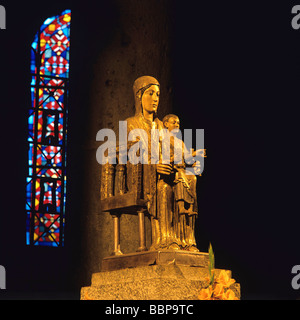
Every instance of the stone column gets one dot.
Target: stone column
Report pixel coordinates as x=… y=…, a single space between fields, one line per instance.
x=139 y=44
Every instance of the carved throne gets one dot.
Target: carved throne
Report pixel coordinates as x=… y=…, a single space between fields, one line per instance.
x=122 y=193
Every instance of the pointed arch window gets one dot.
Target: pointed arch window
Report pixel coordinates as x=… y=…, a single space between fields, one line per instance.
x=47 y=133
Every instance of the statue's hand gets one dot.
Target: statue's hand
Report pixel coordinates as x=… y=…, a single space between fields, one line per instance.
x=197 y=168
x=164 y=168
x=199 y=152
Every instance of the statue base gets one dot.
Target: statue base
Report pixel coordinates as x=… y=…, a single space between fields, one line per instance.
x=157 y=275
x=159 y=257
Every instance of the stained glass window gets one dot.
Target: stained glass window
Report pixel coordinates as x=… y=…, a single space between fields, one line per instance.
x=47 y=133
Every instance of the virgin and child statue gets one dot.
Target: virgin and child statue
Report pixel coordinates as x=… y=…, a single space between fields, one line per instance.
x=154 y=161
x=169 y=191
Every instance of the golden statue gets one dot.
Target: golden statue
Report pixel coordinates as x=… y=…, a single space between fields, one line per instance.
x=185 y=206
x=162 y=190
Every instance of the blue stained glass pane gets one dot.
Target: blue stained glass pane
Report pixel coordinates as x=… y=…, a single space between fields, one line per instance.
x=27 y=237
x=47 y=21
x=30 y=154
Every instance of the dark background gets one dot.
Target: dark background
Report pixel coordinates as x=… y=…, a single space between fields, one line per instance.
x=235 y=74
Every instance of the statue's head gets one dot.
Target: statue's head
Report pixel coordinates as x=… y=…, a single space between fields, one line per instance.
x=171 y=122
x=146 y=94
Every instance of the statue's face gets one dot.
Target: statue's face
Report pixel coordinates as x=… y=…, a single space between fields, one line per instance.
x=173 y=124
x=150 y=99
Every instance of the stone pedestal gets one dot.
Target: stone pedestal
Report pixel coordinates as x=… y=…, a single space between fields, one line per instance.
x=162 y=279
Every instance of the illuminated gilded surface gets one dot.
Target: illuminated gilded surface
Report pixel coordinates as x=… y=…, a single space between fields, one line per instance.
x=163 y=191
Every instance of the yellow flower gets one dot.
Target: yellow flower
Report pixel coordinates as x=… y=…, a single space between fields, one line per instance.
x=218 y=291
x=224 y=279
x=205 y=294
x=229 y=295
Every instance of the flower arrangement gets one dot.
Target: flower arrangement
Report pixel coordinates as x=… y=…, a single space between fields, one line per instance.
x=217 y=289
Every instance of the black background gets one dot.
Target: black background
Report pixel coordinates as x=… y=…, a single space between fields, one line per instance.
x=236 y=71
